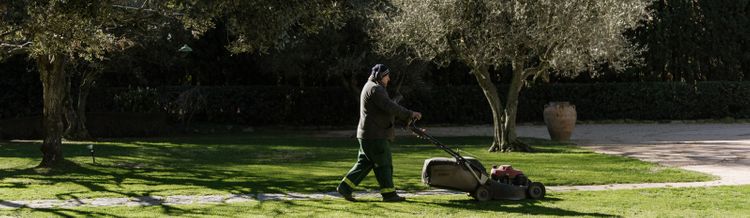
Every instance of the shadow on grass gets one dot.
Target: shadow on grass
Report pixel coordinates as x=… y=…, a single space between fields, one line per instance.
x=166 y=210
x=419 y=207
x=10 y=204
x=66 y=212
x=175 y=211
x=525 y=207
x=298 y=208
x=237 y=164
x=20 y=150
x=102 y=181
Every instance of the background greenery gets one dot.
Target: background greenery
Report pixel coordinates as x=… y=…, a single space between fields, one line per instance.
x=157 y=111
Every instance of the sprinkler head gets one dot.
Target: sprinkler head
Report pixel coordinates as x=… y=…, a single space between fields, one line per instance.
x=91 y=148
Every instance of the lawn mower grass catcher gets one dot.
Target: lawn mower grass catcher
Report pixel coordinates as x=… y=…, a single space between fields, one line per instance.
x=469 y=175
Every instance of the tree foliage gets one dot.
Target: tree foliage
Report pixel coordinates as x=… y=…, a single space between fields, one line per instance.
x=534 y=37
x=76 y=29
x=570 y=36
x=258 y=25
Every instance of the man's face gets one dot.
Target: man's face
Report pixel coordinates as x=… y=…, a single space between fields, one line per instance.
x=386 y=79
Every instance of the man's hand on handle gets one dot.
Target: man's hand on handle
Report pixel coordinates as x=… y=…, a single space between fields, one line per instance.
x=416 y=116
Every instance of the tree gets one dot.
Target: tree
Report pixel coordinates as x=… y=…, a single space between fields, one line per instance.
x=52 y=33
x=56 y=32
x=533 y=37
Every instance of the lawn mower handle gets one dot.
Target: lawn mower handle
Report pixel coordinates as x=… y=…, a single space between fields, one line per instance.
x=482 y=177
x=421 y=134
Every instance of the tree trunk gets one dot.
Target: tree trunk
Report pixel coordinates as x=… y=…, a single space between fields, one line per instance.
x=511 y=142
x=52 y=76
x=76 y=116
x=481 y=73
x=350 y=84
x=71 y=118
x=83 y=95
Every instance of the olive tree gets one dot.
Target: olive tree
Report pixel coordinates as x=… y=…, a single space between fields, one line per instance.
x=534 y=37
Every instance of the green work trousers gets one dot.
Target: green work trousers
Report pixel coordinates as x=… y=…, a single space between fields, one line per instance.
x=374 y=154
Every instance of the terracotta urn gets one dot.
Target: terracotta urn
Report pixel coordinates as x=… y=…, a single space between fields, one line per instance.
x=560 y=118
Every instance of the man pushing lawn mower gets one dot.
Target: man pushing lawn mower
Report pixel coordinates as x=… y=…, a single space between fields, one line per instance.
x=377 y=113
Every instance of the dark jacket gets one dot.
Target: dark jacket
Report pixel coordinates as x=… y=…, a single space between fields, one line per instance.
x=377 y=112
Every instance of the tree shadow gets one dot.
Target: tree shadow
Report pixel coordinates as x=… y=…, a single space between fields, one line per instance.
x=166 y=210
x=69 y=212
x=525 y=207
x=23 y=150
x=10 y=204
x=236 y=164
x=323 y=207
x=179 y=163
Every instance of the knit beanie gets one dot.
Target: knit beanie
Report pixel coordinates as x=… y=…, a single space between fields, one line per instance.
x=379 y=71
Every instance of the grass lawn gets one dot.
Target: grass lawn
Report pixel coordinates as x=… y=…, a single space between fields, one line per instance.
x=277 y=163
x=728 y=201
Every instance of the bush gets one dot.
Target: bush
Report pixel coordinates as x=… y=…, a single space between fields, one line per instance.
x=326 y=106
x=254 y=105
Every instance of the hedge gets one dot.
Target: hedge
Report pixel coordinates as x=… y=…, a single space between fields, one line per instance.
x=316 y=106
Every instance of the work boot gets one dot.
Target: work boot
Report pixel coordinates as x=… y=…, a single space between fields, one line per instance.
x=345 y=195
x=393 y=198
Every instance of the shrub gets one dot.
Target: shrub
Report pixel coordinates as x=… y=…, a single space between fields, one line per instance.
x=323 y=106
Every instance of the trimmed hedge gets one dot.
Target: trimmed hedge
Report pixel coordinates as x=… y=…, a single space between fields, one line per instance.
x=315 y=106
x=605 y=101
x=253 y=105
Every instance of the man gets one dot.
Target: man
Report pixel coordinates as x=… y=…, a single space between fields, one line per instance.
x=377 y=113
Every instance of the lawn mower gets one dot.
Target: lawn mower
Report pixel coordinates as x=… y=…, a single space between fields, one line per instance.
x=467 y=174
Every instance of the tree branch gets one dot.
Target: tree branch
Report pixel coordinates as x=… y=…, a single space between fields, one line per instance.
x=535 y=71
x=543 y=65
x=143 y=9
x=16 y=46
x=9 y=32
